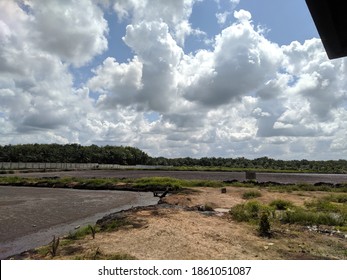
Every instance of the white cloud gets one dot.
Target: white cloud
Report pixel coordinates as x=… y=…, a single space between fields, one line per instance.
x=203 y=97
x=37 y=97
x=159 y=55
x=244 y=96
x=242 y=15
x=242 y=60
x=174 y=13
x=222 y=17
x=73 y=33
x=119 y=84
x=318 y=81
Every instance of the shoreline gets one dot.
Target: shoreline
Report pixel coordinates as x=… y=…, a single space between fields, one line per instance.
x=198 y=224
x=31 y=216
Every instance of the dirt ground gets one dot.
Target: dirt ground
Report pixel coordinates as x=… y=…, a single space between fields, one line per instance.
x=177 y=230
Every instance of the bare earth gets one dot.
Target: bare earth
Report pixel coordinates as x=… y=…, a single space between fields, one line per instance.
x=175 y=231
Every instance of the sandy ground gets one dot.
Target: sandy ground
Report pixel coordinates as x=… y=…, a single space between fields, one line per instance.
x=176 y=231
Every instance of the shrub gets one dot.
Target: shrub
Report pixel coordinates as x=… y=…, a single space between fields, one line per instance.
x=264 y=225
x=248 y=211
x=251 y=194
x=280 y=204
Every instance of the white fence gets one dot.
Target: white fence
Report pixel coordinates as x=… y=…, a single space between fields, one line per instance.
x=70 y=166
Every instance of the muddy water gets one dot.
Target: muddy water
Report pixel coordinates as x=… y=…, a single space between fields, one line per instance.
x=286 y=178
x=29 y=217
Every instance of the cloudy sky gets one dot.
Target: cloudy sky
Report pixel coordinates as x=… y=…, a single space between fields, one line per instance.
x=176 y=78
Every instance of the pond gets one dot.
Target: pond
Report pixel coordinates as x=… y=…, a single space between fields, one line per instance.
x=30 y=217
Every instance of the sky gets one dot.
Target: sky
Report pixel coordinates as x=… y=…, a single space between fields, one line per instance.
x=175 y=78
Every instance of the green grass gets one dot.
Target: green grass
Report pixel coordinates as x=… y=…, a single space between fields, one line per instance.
x=301 y=187
x=338 y=198
x=148 y=183
x=322 y=205
x=101 y=256
x=234 y=169
x=317 y=212
x=251 y=194
x=145 y=184
x=81 y=233
x=173 y=183
x=303 y=217
x=115 y=225
x=158 y=182
x=249 y=211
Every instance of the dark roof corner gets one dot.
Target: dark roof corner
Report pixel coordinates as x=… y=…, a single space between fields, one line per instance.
x=330 y=19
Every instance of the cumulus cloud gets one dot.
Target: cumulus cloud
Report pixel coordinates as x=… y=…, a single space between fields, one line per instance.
x=241 y=61
x=75 y=34
x=36 y=88
x=118 y=83
x=246 y=90
x=148 y=82
x=174 y=13
x=319 y=81
x=242 y=96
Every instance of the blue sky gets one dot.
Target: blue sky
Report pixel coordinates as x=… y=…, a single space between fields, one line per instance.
x=285 y=21
x=176 y=78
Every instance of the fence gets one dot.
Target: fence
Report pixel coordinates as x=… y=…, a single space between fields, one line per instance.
x=70 y=166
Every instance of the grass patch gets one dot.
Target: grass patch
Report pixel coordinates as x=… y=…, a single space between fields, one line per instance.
x=119 y=256
x=173 y=184
x=322 y=205
x=301 y=187
x=163 y=183
x=158 y=183
x=323 y=211
x=99 y=182
x=249 y=211
x=15 y=180
x=308 y=188
x=98 y=255
x=338 y=198
x=251 y=194
x=115 y=224
x=303 y=217
x=82 y=232
x=341 y=228
x=43 y=251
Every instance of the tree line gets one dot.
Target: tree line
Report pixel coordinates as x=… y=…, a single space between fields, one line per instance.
x=73 y=153
x=265 y=163
x=125 y=155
